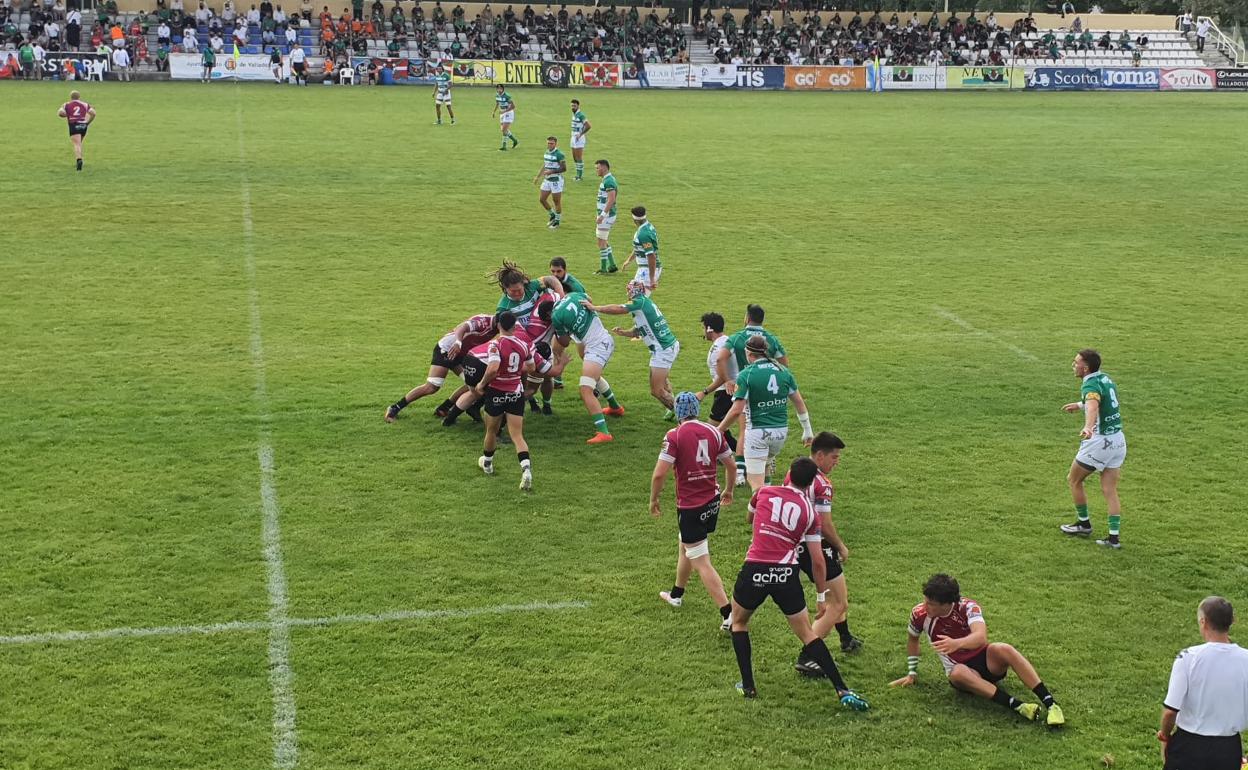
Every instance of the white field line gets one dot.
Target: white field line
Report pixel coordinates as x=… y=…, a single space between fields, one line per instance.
x=952 y=317
x=398 y=616
x=281 y=678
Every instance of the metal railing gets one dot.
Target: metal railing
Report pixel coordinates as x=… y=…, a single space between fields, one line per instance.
x=1224 y=43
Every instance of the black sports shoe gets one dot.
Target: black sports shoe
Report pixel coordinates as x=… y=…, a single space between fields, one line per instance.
x=392 y=412
x=79 y=163
x=852 y=644
x=747 y=692
x=546 y=408
x=443 y=409
x=534 y=406
x=1079 y=528
x=807 y=667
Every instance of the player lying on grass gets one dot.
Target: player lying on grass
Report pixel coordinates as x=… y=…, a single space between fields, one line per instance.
x=955 y=627
x=782 y=517
x=448 y=356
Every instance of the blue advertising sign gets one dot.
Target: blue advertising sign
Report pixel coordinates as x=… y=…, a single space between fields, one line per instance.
x=1131 y=79
x=1065 y=79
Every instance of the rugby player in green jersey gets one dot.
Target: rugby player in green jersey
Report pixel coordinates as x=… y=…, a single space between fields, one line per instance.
x=645 y=251
x=506 y=109
x=608 y=195
x=651 y=327
x=580 y=127
x=1103 y=447
x=766 y=388
x=521 y=293
x=559 y=269
x=442 y=94
x=551 y=175
x=572 y=321
x=732 y=359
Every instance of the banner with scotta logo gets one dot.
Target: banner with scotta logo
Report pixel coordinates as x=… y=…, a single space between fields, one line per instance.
x=1064 y=79
x=1231 y=78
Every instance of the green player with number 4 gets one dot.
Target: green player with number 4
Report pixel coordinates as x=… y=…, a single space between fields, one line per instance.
x=1103 y=446
x=766 y=388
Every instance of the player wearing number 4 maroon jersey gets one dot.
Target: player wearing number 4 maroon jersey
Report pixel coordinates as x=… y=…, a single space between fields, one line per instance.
x=695 y=450
x=783 y=518
x=79 y=115
x=955 y=626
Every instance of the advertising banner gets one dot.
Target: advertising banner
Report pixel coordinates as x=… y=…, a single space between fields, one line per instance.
x=472 y=72
x=1065 y=79
x=1130 y=79
x=596 y=74
x=518 y=73
x=914 y=78
x=825 y=78
x=995 y=78
x=718 y=75
x=556 y=74
x=1235 y=79
x=759 y=76
x=1187 y=79
x=251 y=66
x=665 y=76
x=402 y=71
x=84 y=63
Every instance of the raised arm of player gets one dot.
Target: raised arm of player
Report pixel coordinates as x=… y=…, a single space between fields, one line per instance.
x=803 y=417
x=553 y=283
x=604 y=309
x=912 y=663
x=661 y=469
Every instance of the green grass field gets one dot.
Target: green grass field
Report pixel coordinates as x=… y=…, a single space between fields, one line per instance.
x=931 y=261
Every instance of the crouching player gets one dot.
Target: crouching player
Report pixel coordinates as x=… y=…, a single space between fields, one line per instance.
x=448 y=356
x=955 y=626
x=833 y=604
x=782 y=518
x=695 y=450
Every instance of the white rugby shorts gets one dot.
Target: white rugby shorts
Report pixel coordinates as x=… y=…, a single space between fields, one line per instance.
x=664 y=358
x=552 y=185
x=1101 y=452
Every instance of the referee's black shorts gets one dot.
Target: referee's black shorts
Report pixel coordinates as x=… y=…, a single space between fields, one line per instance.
x=721 y=405
x=1188 y=751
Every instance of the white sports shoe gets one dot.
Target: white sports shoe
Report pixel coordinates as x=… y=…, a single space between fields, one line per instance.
x=727 y=624
x=740 y=480
x=667 y=597
x=526 y=480
x=486 y=464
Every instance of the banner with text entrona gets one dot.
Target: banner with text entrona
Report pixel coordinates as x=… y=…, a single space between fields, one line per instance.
x=1233 y=78
x=1187 y=79
x=518 y=73
x=914 y=78
x=825 y=78
x=985 y=78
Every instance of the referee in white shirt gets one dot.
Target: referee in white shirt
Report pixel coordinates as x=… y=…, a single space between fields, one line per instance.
x=1206 y=706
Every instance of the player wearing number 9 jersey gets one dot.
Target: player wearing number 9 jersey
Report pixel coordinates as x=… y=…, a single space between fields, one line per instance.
x=783 y=518
x=1103 y=446
x=695 y=450
x=507 y=359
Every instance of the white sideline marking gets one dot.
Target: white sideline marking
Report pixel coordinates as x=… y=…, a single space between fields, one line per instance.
x=679 y=180
x=281 y=678
x=776 y=230
x=50 y=637
x=949 y=315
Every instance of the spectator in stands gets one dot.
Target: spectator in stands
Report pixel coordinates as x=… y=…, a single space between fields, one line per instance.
x=73 y=29
x=228 y=14
x=268 y=30
x=190 y=40
x=162 y=58
x=1070 y=42
x=239 y=36
x=97 y=36
x=1185 y=23
x=253 y=16
x=1105 y=42
x=1086 y=40
x=279 y=16
x=266 y=9
x=1202 y=32
x=439 y=16
x=216 y=44
x=121 y=64
x=1067 y=8
x=1124 y=41
x=292 y=36
x=163 y=34
x=1077 y=25
x=1136 y=55
x=305 y=10
x=26 y=57
x=117 y=36
x=140 y=51
x=1141 y=41
x=41 y=59
x=52 y=31
x=1054 y=55
x=202 y=15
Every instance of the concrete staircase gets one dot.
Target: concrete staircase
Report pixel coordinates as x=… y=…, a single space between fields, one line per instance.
x=699 y=54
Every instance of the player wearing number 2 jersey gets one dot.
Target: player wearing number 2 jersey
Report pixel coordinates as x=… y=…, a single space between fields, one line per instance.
x=764 y=389
x=695 y=450
x=954 y=625
x=508 y=359
x=783 y=518
x=1103 y=446
x=79 y=115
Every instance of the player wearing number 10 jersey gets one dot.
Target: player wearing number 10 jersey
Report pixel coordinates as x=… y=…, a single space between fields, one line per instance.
x=1103 y=447
x=695 y=450
x=783 y=518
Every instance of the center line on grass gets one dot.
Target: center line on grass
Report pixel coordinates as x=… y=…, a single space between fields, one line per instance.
x=49 y=637
x=949 y=315
x=281 y=679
